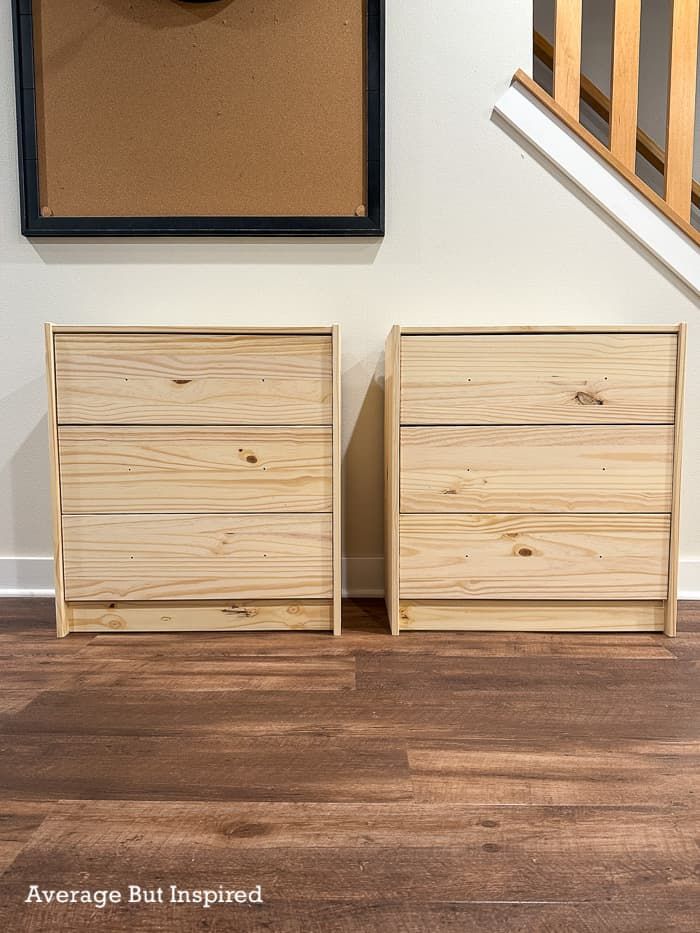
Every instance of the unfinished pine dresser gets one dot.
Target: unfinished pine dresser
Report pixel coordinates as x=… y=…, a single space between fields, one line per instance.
x=533 y=478
x=196 y=478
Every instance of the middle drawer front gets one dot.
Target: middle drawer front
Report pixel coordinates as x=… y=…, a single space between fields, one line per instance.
x=191 y=469
x=145 y=557
x=534 y=556
x=626 y=468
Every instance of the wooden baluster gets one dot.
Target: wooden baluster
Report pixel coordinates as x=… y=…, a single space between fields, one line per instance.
x=625 y=82
x=681 y=106
x=567 y=55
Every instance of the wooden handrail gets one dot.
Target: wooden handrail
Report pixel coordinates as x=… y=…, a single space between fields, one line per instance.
x=591 y=95
x=601 y=150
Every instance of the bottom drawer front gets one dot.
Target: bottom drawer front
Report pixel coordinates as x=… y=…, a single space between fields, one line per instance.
x=250 y=615
x=197 y=556
x=534 y=556
x=533 y=615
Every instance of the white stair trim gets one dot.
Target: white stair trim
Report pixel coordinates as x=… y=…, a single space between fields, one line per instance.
x=602 y=183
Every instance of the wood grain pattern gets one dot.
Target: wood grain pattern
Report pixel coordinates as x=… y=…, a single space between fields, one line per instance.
x=534 y=556
x=568 y=19
x=427 y=331
x=599 y=102
x=183 y=329
x=532 y=773
x=256 y=615
x=674 y=550
x=538 y=379
x=337 y=485
x=625 y=81
x=535 y=615
x=392 y=404
x=452 y=699
x=193 y=379
x=114 y=557
x=213 y=469
x=368 y=620
x=285 y=674
x=218 y=768
x=55 y=483
x=540 y=469
x=680 y=130
x=485 y=680
x=19 y=819
x=333 y=867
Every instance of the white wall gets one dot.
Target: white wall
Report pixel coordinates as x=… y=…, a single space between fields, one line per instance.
x=478 y=232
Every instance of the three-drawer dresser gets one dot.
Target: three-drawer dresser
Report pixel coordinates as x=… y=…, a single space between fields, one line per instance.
x=196 y=478
x=533 y=478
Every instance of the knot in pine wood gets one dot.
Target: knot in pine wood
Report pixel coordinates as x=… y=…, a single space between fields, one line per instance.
x=585 y=398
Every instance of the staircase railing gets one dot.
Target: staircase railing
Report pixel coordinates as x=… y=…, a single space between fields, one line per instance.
x=626 y=139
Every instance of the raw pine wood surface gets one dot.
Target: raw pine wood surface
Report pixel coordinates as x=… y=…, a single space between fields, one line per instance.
x=146 y=557
x=337 y=484
x=534 y=556
x=672 y=601
x=461 y=781
x=392 y=415
x=204 y=616
x=573 y=378
x=600 y=103
x=541 y=469
x=625 y=81
x=214 y=469
x=55 y=480
x=535 y=615
x=201 y=379
x=568 y=19
x=680 y=130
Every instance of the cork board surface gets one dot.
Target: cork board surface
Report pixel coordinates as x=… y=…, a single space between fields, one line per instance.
x=153 y=108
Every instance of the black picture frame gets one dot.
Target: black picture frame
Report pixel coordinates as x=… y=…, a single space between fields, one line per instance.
x=33 y=224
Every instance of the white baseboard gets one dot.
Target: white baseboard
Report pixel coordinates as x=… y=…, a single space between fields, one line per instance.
x=362 y=576
x=26 y=576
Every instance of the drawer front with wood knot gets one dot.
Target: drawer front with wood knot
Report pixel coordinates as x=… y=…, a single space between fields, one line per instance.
x=533 y=478
x=196 y=478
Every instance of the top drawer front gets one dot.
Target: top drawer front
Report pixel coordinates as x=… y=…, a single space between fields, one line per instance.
x=193 y=379
x=538 y=379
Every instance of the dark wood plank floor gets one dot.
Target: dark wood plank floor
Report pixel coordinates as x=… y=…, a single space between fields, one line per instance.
x=430 y=783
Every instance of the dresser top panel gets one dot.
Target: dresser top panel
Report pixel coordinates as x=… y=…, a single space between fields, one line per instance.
x=187 y=329
x=543 y=329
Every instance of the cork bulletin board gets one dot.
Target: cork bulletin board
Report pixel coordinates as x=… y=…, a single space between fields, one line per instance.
x=213 y=117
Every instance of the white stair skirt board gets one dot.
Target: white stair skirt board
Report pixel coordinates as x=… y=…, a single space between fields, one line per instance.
x=362 y=577
x=602 y=183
